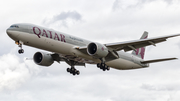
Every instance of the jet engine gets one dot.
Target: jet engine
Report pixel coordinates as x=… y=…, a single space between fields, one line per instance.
x=43 y=59
x=97 y=50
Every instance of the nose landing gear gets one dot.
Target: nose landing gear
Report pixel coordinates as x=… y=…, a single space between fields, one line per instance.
x=19 y=43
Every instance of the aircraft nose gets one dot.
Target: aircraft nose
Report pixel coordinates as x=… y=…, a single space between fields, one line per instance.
x=12 y=34
x=8 y=31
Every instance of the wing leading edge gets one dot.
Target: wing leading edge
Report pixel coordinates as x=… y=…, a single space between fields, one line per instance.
x=135 y=44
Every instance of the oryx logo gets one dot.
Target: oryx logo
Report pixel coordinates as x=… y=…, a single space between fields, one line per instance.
x=140 y=51
x=102 y=49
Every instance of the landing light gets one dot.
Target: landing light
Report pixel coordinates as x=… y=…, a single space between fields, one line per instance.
x=17 y=42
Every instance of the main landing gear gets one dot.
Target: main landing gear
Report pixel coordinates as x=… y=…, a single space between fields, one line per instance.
x=72 y=70
x=103 y=66
x=19 y=43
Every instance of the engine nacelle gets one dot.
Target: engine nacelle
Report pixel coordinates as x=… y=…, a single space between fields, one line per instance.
x=97 y=50
x=43 y=59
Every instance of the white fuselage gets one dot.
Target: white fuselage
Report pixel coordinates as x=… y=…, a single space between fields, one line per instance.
x=65 y=45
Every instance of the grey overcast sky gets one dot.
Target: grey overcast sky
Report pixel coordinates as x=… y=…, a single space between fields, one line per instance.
x=102 y=21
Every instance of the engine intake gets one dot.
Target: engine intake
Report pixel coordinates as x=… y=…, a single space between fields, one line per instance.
x=97 y=50
x=43 y=59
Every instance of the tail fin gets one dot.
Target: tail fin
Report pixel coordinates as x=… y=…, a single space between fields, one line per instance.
x=141 y=51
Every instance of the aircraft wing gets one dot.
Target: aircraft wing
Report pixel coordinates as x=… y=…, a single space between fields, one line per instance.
x=135 y=44
x=157 y=60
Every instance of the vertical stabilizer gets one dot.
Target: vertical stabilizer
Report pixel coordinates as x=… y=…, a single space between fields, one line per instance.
x=141 y=51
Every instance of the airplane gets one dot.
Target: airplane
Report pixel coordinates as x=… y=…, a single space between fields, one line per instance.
x=78 y=52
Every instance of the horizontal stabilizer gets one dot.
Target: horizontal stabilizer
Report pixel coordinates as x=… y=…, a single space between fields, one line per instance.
x=157 y=60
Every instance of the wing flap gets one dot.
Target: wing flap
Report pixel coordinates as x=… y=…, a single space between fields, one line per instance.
x=157 y=60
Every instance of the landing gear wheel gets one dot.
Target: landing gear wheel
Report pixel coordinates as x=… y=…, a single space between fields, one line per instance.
x=103 y=65
x=74 y=73
x=98 y=65
x=108 y=68
x=68 y=69
x=77 y=72
x=72 y=70
x=20 y=51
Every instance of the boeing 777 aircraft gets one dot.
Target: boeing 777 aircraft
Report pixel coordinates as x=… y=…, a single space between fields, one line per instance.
x=77 y=52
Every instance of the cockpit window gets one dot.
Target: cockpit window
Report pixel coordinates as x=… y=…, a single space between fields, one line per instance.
x=14 y=26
